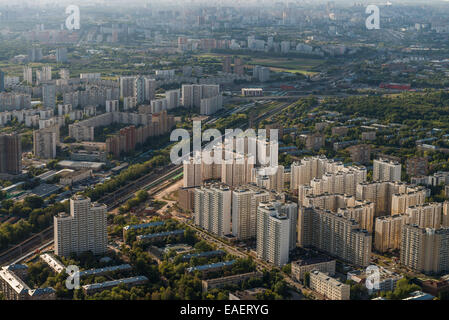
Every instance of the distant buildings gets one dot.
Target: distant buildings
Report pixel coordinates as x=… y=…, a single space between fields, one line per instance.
x=360 y=153
x=61 y=55
x=14 y=101
x=2 y=81
x=84 y=229
x=10 y=154
x=45 y=142
x=261 y=74
x=206 y=97
x=370 y=135
x=252 y=92
x=391 y=197
x=417 y=166
x=49 y=96
x=313 y=141
x=127 y=138
x=128 y=87
x=28 y=75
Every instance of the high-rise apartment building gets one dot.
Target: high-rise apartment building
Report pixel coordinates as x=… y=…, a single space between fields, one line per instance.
x=45 y=142
x=245 y=202
x=84 y=229
x=386 y=170
x=212 y=206
x=10 y=154
x=387 y=235
x=269 y=179
x=237 y=171
x=172 y=97
x=49 y=96
x=261 y=74
x=425 y=249
x=227 y=68
x=193 y=94
x=334 y=234
x=128 y=87
x=326 y=175
x=150 y=89
x=2 y=81
x=28 y=75
x=61 y=55
x=426 y=215
x=273 y=233
x=391 y=197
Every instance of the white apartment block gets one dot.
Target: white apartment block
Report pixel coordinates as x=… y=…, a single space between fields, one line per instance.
x=128 y=87
x=159 y=105
x=425 y=249
x=84 y=229
x=269 y=179
x=173 y=98
x=211 y=105
x=64 y=109
x=386 y=170
x=212 y=208
x=426 y=215
x=129 y=103
x=245 y=202
x=334 y=234
x=192 y=94
x=28 y=75
x=391 y=197
x=387 y=235
x=112 y=106
x=273 y=234
x=49 y=96
x=197 y=171
x=309 y=168
x=237 y=171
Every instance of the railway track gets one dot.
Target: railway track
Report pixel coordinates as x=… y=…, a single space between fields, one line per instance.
x=30 y=244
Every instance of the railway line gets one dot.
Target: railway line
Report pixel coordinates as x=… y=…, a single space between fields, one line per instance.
x=28 y=245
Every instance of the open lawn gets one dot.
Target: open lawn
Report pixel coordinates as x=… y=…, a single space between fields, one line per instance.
x=304 y=66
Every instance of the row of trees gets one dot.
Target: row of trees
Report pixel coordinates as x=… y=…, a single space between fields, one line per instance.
x=132 y=173
x=34 y=219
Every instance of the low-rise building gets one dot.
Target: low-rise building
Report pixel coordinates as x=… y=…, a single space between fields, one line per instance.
x=329 y=287
x=320 y=263
x=75 y=177
x=230 y=280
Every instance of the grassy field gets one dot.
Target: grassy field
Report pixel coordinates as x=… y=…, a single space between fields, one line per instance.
x=293 y=65
x=304 y=66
